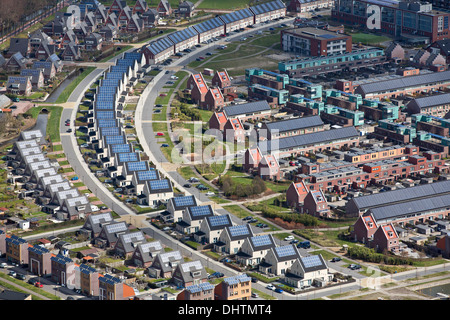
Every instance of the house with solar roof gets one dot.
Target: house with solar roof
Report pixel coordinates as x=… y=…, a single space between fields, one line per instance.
x=189 y=273
x=159 y=50
x=279 y=259
x=214 y=100
x=45 y=182
x=296 y=194
x=47 y=67
x=256 y=110
x=233 y=130
x=88 y=280
x=211 y=227
x=308 y=271
x=164 y=264
x=315 y=204
x=386 y=238
x=63 y=270
x=112 y=288
x=74 y=208
x=145 y=253
x=127 y=242
x=217 y=121
x=128 y=170
x=94 y=223
x=157 y=192
x=232 y=238
x=254 y=249
x=252 y=158
x=39 y=260
x=359 y=205
x=184 y=39
x=109 y=234
x=269 y=168
x=211 y=28
x=201 y=291
x=291 y=127
x=16 y=249
x=237 y=20
x=36 y=76
x=197 y=87
x=176 y=207
x=237 y=287
x=19 y=85
x=140 y=177
x=268 y=11
x=192 y=217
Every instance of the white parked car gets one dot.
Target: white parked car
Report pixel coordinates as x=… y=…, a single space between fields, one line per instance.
x=210 y=193
x=270 y=287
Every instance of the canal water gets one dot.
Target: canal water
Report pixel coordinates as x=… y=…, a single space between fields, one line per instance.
x=432 y=291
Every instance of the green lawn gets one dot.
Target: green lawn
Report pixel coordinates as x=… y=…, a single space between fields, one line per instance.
x=53 y=123
x=368 y=39
x=75 y=82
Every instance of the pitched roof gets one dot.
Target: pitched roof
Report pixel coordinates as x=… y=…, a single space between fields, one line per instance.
x=247 y=108
x=295 y=124
x=269 y=146
x=431 y=101
x=404 y=82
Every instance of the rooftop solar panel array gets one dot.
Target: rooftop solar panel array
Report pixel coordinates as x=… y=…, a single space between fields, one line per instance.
x=268 y=7
x=237 y=15
x=407 y=194
x=184 y=201
x=147 y=175
x=270 y=146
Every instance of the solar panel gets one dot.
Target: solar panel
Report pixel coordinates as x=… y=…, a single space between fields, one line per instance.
x=200 y=211
x=241 y=230
x=147 y=175
x=184 y=201
x=116 y=227
x=106 y=123
x=128 y=157
x=188 y=266
x=221 y=220
x=114 y=139
x=104 y=217
x=137 y=166
x=170 y=256
x=285 y=251
x=263 y=240
x=133 y=236
x=151 y=246
x=105 y=115
x=84 y=268
x=120 y=148
x=312 y=261
x=159 y=184
x=110 y=131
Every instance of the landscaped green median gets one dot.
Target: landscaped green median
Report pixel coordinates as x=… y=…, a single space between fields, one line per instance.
x=69 y=89
x=20 y=283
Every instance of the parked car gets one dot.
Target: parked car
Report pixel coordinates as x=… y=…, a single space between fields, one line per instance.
x=354 y=266
x=3 y=265
x=209 y=193
x=21 y=276
x=304 y=245
x=289 y=238
x=164 y=145
x=254 y=295
x=187 y=185
x=270 y=287
x=336 y=259
x=12 y=273
x=69 y=130
x=202 y=187
x=38 y=284
x=278 y=290
x=159 y=134
x=254 y=280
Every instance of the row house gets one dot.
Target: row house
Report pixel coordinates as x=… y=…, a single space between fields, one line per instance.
x=269 y=168
x=214 y=100
x=164 y=8
x=311 y=143
x=237 y=287
x=315 y=204
x=290 y=127
x=197 y=87
x=19 y=85
x=140 y=7
x=432 y=124
x=437 y=105
x=189 y=273
x=360 y=205
x=36 y=76
x=268 y=11
x=209 y=29
x=308 y=271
